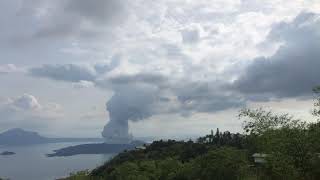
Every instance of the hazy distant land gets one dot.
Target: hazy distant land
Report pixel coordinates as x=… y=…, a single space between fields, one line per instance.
x=7 y=153
x=19 y=136
x=99 y=148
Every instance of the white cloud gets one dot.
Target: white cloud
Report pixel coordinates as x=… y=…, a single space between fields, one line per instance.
x=190 y=35
x=83 y=84
x=26 y=112
x=26 y=102
x=8 y=68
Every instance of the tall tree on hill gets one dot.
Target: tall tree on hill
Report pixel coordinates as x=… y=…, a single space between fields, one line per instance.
x=316 y=110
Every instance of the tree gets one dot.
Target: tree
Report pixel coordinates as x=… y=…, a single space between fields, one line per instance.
x=221 y=163
x=316 y=110
x=260 y=121
x=138 y=170
x=286 y=141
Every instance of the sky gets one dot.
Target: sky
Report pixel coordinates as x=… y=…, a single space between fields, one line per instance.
x=174 y=68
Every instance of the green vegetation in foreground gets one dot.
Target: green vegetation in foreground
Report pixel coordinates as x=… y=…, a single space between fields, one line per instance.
x=291 y=145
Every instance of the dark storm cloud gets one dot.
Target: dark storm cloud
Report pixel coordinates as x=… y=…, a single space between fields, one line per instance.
x=294 y=69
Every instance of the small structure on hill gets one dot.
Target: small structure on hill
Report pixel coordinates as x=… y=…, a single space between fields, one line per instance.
x=259 y=158
x=140 y=147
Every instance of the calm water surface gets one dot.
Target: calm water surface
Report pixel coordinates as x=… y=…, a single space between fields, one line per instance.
x=31 y=163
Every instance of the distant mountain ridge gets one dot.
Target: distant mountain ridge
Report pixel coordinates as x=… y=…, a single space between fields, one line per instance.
x=96 y=148
x=18 y=136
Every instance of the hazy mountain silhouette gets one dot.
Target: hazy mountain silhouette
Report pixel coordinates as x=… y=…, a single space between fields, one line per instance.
x=19 y=136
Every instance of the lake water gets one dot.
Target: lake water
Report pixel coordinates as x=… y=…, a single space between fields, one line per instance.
x=31 y=163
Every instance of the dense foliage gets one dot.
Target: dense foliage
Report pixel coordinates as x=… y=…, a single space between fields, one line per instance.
x=291 y=148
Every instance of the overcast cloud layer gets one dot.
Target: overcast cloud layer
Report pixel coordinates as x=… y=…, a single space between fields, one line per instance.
x=294 y=69
x=159 y=58
x=291 y=72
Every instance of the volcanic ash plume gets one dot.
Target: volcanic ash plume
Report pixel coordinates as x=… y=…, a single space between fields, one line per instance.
x=128 y=103
x=116 y=132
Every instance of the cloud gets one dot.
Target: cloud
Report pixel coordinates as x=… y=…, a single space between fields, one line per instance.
x=79 y=74
x=26 y=112
x=97 y=10
x=206 y=97
x=148 y=78
x=83 y=84
x=74 y=18
x=8 y=68
x=66 y=72
x=172 y=55
x=26 y=102
x=291 y=72
x=294 y=69
x=190 y=35
x=152 y=94
x=140 y=97
x=169 y=94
